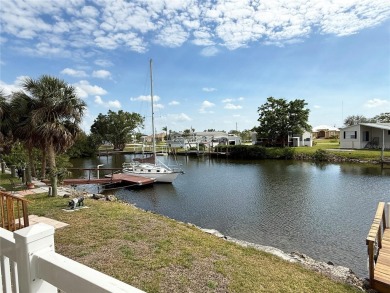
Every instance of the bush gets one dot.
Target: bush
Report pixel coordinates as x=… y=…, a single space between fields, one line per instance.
x=252 y=152
x=320 y=155
x=280 y=153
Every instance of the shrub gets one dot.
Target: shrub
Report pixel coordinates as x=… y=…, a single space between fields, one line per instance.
x=320 y=155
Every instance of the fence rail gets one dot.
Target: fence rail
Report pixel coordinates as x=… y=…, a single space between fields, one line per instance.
x=29 y=263
x=13 y=211
x=378 y=248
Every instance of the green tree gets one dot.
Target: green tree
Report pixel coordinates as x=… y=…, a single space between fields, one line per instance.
x=186 y=132
x=246 y=135
x=278 y=118
x=23 y=128
x=356 y=119
x=6 y=138
x=55 y=115
x=116 y=128
x=382 y=118
x=165 y=128
x=84 y=146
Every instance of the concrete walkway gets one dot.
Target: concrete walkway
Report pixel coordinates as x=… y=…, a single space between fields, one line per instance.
x=41 y=187
x=33 y=219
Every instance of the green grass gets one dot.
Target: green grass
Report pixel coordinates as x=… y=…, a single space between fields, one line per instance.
x=333 y=147
x=157 y=254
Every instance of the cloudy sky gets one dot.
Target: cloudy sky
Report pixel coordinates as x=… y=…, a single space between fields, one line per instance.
x=214 y=62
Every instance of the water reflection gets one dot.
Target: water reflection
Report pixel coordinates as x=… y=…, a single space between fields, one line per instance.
x=324 y=210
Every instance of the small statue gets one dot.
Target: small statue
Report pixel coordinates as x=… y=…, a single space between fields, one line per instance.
x=76 y=202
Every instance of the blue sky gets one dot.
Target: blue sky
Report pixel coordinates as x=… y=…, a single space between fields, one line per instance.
x=215 y=62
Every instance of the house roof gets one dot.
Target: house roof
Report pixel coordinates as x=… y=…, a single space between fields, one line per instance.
x=384 y=126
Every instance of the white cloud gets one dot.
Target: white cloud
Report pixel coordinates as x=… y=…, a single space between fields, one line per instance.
x=209 y=51
x=227 y=100
x=377 y=103
x=173 y=103
x=209 y=89
x=84 y=89
x=98 y=100
x=73 y=72
x=109 y=104
x=145 y=98
x=178 y=118
x=230 y=106
x=10 y=88
x=316 y=107
x=103 y=63
x=57 y=27
x=206 y=105
x=172 y=36
x=104 y=74
x=158 y=106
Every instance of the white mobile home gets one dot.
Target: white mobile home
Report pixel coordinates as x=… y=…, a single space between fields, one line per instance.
x=365 y=135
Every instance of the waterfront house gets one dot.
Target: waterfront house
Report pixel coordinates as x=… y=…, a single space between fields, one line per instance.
x=207 y=138
x=325 y=131
x=365 y=135
x=304 y=139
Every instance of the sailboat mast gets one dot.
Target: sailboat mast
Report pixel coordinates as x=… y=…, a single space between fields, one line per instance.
x=151 y=99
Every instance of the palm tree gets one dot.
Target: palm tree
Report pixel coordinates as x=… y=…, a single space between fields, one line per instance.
x=5 y=122
x=22 y=129
x=55 y=116
x=165 y=128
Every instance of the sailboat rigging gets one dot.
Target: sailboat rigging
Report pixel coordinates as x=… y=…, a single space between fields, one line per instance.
x=145 y=167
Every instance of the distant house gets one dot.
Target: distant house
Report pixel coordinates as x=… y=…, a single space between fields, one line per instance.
x=365 y=135
x=305 y=139
x=160 y=137
x=325 y=131
x=210 y=139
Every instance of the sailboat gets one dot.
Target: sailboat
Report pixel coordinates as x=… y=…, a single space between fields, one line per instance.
x=151 y=167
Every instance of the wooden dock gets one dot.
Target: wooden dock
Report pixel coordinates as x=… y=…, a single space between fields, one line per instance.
x=378 y=242
x=115 y=178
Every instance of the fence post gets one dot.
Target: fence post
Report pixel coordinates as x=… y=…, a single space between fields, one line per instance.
x=28 y=241
x=388 y=215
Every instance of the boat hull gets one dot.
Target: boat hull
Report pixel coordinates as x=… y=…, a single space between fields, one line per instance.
x=167 y=177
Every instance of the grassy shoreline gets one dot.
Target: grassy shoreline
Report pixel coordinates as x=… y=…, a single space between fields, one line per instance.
x=158 y=254
x=329 y=146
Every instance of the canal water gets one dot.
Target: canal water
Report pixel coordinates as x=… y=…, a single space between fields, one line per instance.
x=323 y=211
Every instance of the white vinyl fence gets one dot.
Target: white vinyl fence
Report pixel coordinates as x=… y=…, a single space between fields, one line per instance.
x=29 y=264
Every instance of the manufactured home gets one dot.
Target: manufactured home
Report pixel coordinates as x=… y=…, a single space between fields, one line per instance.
x=365 y=135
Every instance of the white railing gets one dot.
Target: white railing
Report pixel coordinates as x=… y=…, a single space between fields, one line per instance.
x=29 y=264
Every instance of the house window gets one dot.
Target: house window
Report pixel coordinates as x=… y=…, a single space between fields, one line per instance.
x=350 y=134
x=366 y=136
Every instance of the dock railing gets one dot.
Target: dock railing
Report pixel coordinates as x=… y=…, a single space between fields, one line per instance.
x=29 y=264
x=13 y=211
x=374 y=242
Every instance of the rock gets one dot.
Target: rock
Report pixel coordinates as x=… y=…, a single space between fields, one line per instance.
x=97 y=196
x=330 y=263
x=110 y=197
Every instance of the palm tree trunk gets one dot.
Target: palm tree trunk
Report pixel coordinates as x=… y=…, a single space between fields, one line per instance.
x=53 y=169
x=43 y=161
x=30 y=167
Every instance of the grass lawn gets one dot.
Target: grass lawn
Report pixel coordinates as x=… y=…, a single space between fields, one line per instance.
x=157 y=254
x=333 y=147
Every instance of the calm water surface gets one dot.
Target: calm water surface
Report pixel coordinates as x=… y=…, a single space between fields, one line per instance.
x=324 y=211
